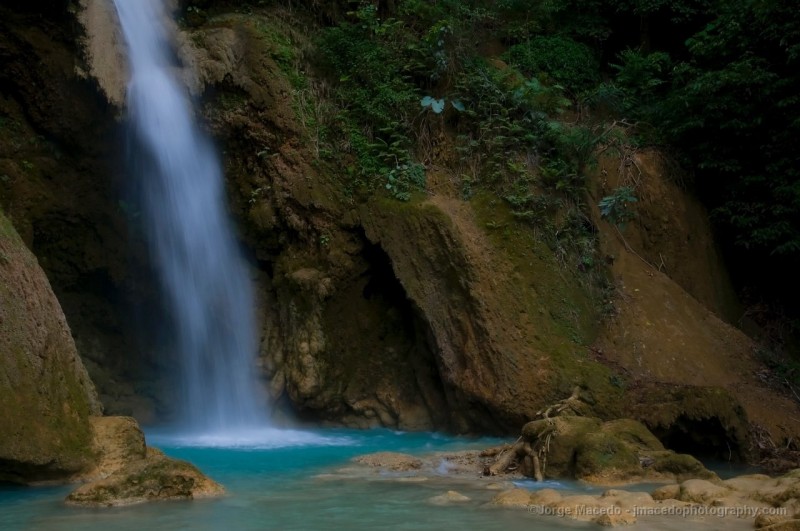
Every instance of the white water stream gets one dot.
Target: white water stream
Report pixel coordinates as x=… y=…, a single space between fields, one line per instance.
x=203 y=275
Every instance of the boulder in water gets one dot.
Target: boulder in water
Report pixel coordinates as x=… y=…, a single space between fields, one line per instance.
x=156 y=477
x=128 y=472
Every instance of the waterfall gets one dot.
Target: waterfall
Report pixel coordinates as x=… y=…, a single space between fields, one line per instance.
x=203 y=275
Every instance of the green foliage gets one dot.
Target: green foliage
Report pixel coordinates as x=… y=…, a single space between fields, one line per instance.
x=373 y=61
x=615 y=207
x=404 y=179
x=283 y=51
x=642 y=78
x=676 y=11
x=437 y=105
x=562 y=59
x=503 y=124
x=733 y=110
x=397 y=78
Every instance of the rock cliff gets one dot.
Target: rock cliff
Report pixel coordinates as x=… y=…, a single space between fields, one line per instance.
x=45 y=393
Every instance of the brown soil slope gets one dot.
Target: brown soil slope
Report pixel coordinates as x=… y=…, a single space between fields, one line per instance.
x=663 y=264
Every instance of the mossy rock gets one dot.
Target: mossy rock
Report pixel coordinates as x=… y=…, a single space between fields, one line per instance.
x=156 y=477
x=566 y=435
x=622 y=450
x=625 y=448
x=681 y=465
x=601 y=454
x=633 y=433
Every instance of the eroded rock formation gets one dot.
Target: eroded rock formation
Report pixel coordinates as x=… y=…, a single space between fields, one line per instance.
x=46 y=395
x=127 y=472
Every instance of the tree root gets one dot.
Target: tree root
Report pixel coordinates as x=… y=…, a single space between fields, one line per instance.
x=533 y=457
x=506 y=458
x=573 y=403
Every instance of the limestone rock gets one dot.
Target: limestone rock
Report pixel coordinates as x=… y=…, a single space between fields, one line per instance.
x=582 y=507
x=104 y=49
x=513 y=498
x=46 y=396
x=155 y=477
x=773 y=501
x=127 y=472
x=768 y=520
x=787 y=525
x=615 y=519
x=396 y=462
x=117 y=442
x=448 y=498
x=545 y=497
x=628 y=500
x=701 y=491
x=667 y=492
x=494 y=344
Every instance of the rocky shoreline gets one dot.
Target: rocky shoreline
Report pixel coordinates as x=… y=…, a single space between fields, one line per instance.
x=761 y=501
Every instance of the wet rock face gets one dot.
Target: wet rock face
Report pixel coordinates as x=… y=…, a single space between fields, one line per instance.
x=61 y=186
x=46 y=395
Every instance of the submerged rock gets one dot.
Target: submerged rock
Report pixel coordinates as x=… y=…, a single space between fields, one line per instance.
x=392 y=461
x=448 y=498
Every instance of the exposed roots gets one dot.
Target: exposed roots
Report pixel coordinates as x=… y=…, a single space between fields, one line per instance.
x=773 y=459
x=571 y=405
x=532 y=458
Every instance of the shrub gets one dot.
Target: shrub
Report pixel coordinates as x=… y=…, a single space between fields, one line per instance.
x=568 y=62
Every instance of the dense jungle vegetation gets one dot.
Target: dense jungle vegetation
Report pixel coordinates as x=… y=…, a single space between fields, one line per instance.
x=406 y=85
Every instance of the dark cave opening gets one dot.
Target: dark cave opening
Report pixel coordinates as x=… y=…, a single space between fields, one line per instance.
x=704 y=438
x=382 y=284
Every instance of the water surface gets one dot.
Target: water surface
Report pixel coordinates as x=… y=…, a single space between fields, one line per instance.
x=281 y=484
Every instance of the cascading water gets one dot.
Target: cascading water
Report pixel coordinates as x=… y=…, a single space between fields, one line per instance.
x=202 y=272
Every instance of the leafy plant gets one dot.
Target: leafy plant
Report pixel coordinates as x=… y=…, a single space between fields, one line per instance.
x=562 y=59
x=643 y=79
x=616 y=207
x=437 y=105
x=404 y=179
